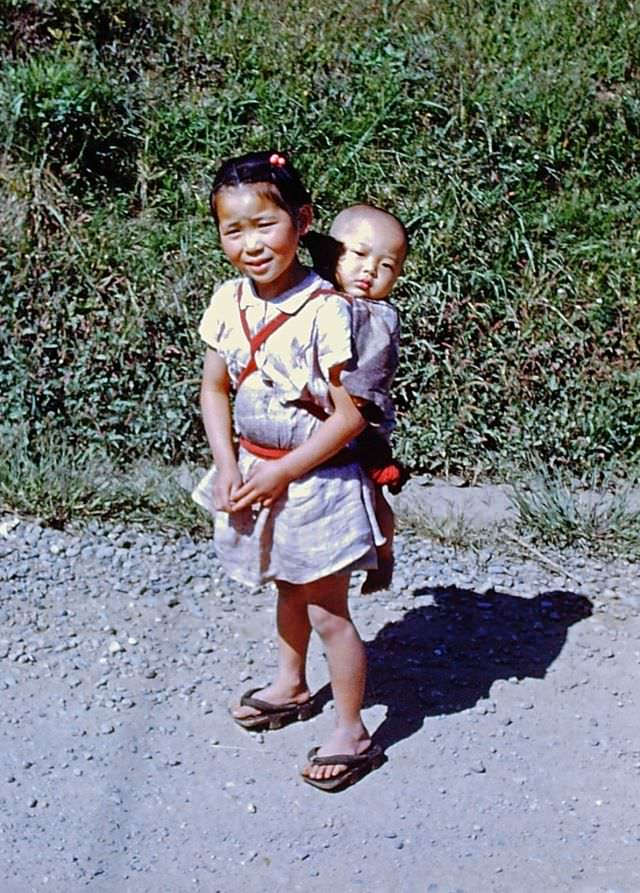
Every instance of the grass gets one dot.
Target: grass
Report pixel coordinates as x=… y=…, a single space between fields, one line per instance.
x=65 y=488
x=551 y=511
x=62 y=488
x=505 y=135
x=604 y=518
x=453 y=529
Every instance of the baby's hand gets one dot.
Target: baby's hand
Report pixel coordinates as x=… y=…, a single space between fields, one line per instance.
x=266 y=483
x=227 y=483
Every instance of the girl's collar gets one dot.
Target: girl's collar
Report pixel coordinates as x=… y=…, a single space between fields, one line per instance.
x=289 y=301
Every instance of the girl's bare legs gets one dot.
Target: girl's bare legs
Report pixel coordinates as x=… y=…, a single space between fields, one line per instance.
x=381 y=577
x=322 y=605
x=328 y=611
x=294 y=630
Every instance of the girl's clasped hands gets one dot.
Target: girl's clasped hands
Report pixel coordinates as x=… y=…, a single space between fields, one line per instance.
x=264 y=485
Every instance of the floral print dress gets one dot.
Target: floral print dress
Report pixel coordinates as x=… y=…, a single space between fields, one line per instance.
x=325 y=522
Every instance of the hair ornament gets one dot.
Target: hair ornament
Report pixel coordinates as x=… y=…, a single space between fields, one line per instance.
x=266 y=166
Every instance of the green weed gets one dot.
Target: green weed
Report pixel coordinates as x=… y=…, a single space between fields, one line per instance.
x=79 y=118
x=453 y=529
x=62 y=485
x=504 y=134
x=605 y=517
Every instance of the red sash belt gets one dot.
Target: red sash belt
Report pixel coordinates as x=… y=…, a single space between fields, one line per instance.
x=262 y=452
x=343 y=457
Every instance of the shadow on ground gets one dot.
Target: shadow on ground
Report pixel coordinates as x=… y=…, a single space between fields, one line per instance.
x=444 y=657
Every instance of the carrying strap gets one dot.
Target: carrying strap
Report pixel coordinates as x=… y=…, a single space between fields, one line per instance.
x=256 y=341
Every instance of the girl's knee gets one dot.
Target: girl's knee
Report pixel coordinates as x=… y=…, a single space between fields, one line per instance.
x=326 y=623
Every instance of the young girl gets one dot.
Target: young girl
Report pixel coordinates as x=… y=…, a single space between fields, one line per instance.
x=293 y=505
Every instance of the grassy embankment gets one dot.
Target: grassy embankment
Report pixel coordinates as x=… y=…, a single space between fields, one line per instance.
x=506 y=135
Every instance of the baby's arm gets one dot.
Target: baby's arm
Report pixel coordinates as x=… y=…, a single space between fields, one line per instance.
x=216 y=416
x=271 y=479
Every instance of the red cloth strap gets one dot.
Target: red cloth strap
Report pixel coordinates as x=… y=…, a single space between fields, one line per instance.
x=313 y=409
x=389 y=475
x=344 y=456
x=256 y=341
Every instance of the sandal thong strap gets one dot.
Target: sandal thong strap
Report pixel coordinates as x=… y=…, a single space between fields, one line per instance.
x=247 y=700
x=343 y=759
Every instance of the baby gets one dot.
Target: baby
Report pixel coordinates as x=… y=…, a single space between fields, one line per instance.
x=365 y=259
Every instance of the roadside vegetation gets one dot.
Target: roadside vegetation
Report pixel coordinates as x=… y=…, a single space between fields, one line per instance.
x=506 y=136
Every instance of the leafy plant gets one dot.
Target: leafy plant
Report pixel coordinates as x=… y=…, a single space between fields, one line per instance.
x=505 y=135
x=56 y=110
x=61 y=484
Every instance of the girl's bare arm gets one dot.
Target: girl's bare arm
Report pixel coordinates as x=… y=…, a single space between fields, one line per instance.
x=216 y=416
x=270 y=479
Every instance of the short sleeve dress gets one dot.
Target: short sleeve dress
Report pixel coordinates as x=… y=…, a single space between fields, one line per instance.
x=325 y=522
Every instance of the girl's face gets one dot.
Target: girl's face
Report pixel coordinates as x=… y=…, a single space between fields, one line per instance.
x=260 y=238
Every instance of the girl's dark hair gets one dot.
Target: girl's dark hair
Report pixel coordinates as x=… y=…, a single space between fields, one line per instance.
x=272 y=168
x=325 y=253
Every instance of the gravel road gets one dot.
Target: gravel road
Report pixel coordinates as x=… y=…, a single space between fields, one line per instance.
x=504 y=692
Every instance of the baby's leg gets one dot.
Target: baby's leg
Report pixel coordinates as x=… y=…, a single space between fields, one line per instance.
x=294 y=629
x=381 y=577
x=329 y=615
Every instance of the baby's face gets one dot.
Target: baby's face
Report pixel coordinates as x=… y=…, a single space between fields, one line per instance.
x=372 y=256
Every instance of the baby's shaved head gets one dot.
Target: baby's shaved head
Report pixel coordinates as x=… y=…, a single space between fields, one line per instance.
x=372 y=246
x=383 y=221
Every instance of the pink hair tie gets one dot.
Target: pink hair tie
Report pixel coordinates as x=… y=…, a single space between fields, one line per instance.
x=277 y=160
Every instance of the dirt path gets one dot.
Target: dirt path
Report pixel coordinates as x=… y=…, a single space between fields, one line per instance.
x=504 y=694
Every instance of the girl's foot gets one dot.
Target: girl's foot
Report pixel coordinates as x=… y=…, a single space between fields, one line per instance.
x=276 y=696
x=339 y=742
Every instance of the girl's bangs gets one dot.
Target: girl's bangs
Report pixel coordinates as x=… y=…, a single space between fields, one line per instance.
x=263 y=188
x=268 y=190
